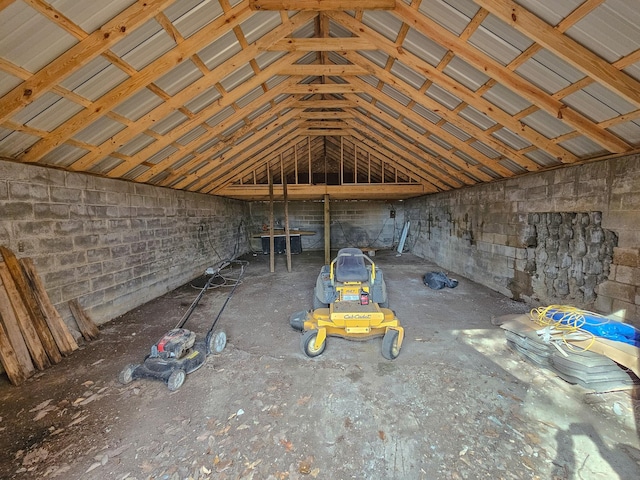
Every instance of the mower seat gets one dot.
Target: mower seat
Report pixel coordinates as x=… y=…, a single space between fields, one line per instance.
x=350 y=266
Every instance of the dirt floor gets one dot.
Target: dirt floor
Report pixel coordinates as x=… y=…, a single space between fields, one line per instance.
x=456 y=403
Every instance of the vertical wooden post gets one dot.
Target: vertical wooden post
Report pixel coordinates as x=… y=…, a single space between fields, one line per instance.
x=327 y=231
x=272 y=253
x=287 y=239
x=309 y=145
x=341 y=161
x=355 y=162
x=295 y=156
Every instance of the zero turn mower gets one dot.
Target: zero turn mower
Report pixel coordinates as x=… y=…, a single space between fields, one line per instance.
x=349 y=301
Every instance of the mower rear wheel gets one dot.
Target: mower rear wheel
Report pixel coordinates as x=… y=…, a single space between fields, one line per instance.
x=217 y=342
x=390 y=348
x=176 y=379
x=126 y=375
x=307 y=343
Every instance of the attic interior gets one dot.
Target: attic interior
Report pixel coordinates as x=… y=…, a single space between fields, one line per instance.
x=143 y=141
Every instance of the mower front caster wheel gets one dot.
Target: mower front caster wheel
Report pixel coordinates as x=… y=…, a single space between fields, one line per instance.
x=307 y=343
x=217 y=342
x=390 y=347
x=126 y=375
x=176 y=379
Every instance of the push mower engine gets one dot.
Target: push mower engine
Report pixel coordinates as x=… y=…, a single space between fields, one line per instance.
x=174 y=344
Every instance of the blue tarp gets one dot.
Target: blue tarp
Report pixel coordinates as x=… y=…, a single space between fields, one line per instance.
x=599 y=326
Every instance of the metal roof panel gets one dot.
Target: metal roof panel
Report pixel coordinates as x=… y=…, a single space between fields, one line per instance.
x=203 y=100
x=94 y=79
x=454 y=15
x=628 y=131
x=611 y=30
x=442 y=96
x=189 y=16
x=426 y=113
x=90 y=15
x=506 y=99
x=14 y=143
x=259 y=24
x=582 y=147
x=407 y=74
x=511 y=139
x=99 y=131
x=47 y=112
x=220 y=50
x=138 y=104
x=477 y=118
x=546 y=124
x=169 y=122
x=8 y=82
x=139 y=142
x=396 y=95
x=189 y=137
x=144 y=45
x=498 y=40
x=423 y=47
x=237 y=77
x=542 y=158
x=64 y=155
x=178 y=78
x=464 y=73
x=383 y=22
x=34 y=41
x=551 y=11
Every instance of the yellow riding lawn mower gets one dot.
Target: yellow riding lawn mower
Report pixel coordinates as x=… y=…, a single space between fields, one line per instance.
x=349 y=301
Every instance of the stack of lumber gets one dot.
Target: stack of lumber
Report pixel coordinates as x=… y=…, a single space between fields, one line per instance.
x=32 y=333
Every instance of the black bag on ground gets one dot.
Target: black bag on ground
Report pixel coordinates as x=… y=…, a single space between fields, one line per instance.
x=438 y=280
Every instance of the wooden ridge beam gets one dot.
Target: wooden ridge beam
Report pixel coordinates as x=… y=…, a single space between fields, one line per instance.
x=320 y=88
x=327 y=104
x=322 y=5
x=386 y=191
x=325 y=115
x=331 y=44
x=317 y=70
x=324 y=132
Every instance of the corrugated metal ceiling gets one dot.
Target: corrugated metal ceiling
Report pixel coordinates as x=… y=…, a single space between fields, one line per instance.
x=203 y=94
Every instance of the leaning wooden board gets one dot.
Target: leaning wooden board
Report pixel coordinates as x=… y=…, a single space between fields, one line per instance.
x=36 y=350
x=64 y=340
x=31 y=305
x=14 y=353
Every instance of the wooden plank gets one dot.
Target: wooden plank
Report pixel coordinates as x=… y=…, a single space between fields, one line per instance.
x=13 y=350
x=323 y=132
x=316 y=70
x=31 y=304
x=327 y=231
x=272 y=264
x=329 y=103
x=63 y=338
x=28 y=331
x=9 y=360
x=321 y=44
x=286 y=215
x=322 y=5
x=325 y=115
x=86 y=326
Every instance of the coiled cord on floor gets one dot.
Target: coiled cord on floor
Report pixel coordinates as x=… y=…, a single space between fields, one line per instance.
x=569 y=323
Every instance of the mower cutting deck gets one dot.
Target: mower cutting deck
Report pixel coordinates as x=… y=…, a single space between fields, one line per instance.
x=350 y=301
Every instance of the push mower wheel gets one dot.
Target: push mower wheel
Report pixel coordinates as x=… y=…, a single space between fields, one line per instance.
x=307 y=344
x=126 y=375
x=390 y=348
x=217 y=342
x=176 y=379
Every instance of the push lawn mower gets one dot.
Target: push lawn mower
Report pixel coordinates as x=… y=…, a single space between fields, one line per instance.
x=178 y=353
x=349 y=301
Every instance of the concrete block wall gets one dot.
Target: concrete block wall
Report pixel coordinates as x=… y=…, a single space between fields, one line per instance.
x=113 y=245
x=353 y=223
x=486 y=232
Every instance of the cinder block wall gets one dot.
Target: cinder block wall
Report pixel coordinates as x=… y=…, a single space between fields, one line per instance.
x=353 y=223
x=568 y=236
x=113 y=245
